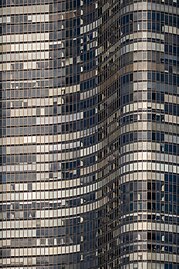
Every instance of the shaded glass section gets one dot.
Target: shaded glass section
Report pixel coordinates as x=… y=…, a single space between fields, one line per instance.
x=89 y=134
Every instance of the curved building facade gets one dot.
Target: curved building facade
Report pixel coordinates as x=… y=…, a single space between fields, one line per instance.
x=49 y=134
x=149 y=170
x=89 y=134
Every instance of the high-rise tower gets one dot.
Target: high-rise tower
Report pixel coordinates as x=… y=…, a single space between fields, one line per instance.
x=49 y=134
x=149 y=134
x=90 y=134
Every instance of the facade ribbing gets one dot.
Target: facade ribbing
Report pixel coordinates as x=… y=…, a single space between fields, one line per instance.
x=90 y=134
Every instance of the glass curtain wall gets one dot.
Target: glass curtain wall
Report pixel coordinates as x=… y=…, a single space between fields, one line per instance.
x=149 y=178
x=49 y=137
x=89 y=134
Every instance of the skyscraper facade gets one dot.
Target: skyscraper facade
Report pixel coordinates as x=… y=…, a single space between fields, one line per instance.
x=90 y=134
x=149 y=171
x=49 y=134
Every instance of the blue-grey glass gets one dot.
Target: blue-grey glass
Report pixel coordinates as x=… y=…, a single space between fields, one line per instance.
x=89 y=134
